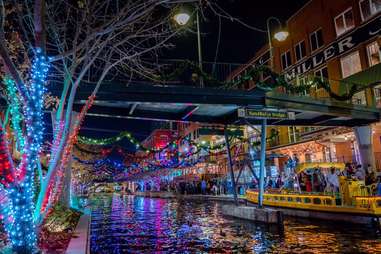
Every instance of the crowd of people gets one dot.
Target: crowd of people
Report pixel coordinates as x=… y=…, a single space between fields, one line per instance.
x=310 y=180
x=203 y=186
x=318 y=180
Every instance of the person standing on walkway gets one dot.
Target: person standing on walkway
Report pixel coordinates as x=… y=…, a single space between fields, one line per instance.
x=359 y=173
x=203 y=187
x=333 y=180
x=378 y=186
x=214 y=189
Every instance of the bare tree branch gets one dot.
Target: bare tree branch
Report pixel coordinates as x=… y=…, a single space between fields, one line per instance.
x=39 y=23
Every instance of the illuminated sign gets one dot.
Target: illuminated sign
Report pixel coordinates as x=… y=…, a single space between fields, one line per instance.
x=268 y=114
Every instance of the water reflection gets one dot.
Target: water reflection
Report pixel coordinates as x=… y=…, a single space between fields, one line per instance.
x=127 y=224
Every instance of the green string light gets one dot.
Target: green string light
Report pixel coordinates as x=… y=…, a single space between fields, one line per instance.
x=113 y=140
x=277 y=80
x=173 y=145
x=15 y=110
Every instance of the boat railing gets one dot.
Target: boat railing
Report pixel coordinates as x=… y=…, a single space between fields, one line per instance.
x=372 y=203
x=308 y=199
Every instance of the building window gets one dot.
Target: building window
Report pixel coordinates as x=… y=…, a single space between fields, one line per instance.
x=274 y=138
x=322 y=73
x=369 y=8
x=344 y=22
x=350 y=64
x=316 y=39
x=359 y=98
x=307 y=157
x=293 y=134
x=300 y=50
x=374 y=55
x=286 y=59
x=377 y=95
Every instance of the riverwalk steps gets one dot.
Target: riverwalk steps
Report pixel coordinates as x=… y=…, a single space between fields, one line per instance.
x=265 y=215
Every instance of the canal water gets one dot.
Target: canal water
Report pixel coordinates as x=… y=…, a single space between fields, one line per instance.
x=128 y=224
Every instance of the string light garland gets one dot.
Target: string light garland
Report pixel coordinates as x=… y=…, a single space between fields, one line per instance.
x=277 y=80
x=15 y=110
x=107 y=141
x=21 y=228
x=138 y=145
x=6 y=176
x=115 y=139
x=108 y=169
x=55 y=187
x=196 y=147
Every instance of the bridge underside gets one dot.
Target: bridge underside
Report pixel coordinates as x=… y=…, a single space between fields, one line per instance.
x=218 y=106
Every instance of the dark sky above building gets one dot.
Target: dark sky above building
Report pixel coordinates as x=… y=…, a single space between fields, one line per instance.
x=237 y=44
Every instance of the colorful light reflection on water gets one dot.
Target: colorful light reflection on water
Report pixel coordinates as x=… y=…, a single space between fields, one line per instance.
x=128 y=224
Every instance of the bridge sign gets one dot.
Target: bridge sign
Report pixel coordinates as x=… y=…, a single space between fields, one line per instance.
x=265 y=114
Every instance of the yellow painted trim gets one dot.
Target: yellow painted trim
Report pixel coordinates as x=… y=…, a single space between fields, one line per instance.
x=304 y=166
x=362 y=205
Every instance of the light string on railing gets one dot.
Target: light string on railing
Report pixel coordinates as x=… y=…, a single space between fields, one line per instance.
x=254 y=74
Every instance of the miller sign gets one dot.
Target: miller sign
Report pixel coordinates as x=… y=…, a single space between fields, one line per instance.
x=361 y=34
x=336 y=48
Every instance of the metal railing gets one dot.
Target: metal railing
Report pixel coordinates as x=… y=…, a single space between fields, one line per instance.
x=320 y=93
x=216 y=71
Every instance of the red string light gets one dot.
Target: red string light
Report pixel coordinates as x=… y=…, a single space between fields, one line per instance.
x=6 y=176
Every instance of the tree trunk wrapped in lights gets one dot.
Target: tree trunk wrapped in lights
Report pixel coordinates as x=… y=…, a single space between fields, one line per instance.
x=20 y=191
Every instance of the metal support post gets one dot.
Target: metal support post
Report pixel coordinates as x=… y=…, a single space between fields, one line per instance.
x=199 y=47
x=230 y=163
x=262 y=163
x=270 y=42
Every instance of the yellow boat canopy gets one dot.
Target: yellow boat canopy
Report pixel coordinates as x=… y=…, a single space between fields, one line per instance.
x=303 y=166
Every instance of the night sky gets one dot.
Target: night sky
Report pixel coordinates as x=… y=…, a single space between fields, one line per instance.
x=238 y=44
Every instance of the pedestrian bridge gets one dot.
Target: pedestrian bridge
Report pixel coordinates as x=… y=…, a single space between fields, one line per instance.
x=218 y=106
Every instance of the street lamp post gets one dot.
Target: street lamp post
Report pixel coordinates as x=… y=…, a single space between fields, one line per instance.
x=199 y=47
x=182 y=19
x=281 y=35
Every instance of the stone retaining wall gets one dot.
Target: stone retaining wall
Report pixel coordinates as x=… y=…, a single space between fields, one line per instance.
x=254 y=214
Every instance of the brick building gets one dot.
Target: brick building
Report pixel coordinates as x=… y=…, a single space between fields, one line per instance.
x=337 y=40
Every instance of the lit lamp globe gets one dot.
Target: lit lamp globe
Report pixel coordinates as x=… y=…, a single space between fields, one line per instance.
x=182 y=18
x=281 y=35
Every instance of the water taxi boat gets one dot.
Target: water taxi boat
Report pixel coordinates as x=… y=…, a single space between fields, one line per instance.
x=353 y=203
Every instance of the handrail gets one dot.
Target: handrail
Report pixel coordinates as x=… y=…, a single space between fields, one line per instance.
x=370 y=203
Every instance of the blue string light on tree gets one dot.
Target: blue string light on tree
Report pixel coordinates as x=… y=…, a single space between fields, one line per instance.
x=23 y=230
